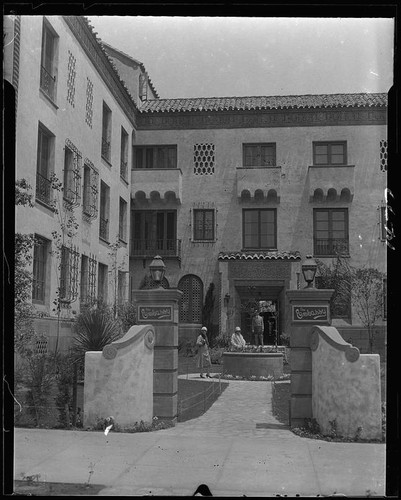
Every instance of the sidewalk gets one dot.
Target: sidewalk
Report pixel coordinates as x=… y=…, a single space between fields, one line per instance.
x=237 y=448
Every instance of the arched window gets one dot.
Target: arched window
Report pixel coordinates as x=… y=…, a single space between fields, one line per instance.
x=191 y=302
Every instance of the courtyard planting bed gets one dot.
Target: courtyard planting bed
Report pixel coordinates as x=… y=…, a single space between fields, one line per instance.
x=253 y=364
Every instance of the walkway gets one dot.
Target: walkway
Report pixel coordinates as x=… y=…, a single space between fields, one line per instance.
x=237 y=448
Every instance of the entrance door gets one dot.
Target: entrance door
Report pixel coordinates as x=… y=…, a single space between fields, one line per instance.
x=269 y=310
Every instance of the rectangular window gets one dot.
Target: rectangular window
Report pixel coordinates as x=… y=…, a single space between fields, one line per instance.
x=124 y=155
x=102 y=283
x=259 y=155
x=330 y=153
x=259 y=229
x=44 y=165
x=155 y=157
x=122 y=233
x=84 y=284
x=90 y=190
x=72 y=175
x=154 y=231
x=330 y=231
x=203 y=224
x=104 y=211
x=49 y=61
x=89 y=102
x=106 y=133
x=69 y=273
x=40 y=269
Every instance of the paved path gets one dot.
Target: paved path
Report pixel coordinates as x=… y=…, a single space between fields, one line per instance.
x=237 y=448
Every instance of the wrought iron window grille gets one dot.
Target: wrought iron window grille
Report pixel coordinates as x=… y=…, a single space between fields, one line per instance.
x=91 y=190
x=47 y=83
x=72 y=176
x=69 y=272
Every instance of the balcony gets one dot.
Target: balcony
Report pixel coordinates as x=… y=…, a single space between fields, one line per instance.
x=149 y=248
x=154 y=185
x=330 y=247
x=331 y=183
x=259 y=184
x=48 y=83
x=43 y=189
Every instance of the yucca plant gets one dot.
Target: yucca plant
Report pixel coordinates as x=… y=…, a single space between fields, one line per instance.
x=94 y=329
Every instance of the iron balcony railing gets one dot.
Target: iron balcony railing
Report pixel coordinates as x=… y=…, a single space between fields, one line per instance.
x=47 y=83
x=106 y=147
x=43 y=189
x=331 y=246
x=104 y=228
x=150 y=248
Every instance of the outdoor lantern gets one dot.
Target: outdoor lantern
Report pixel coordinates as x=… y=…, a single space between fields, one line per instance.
x=226 y=299
x=157 y=269
x=309 y=268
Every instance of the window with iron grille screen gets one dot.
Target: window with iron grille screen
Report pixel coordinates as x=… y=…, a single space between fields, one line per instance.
x=106 y=133
x=84 y=284
x=330 y=232
x=72 y=174
x=71 y=74
x=124 y=155
x=155 y=156
x=89 y=103
x=330 y=153
x=383 y=156
x=102 y=287
x=41 y=346
x=259 y=155
x=104 y=211
x=259 y=229
x=204 y=159
x=44 y=165
x=40 y=269
x=90 y=190
x=49 y=60
x=191 y=301
x=204 y=224
x=122 y=233
x=69 y=272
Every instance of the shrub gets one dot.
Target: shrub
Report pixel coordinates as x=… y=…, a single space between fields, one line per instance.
x=216 y=354
x=187 y=348
x=221 y=341
x=39 y=379
x=94 y=329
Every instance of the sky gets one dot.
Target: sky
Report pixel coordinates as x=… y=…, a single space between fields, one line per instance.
x=255 y=56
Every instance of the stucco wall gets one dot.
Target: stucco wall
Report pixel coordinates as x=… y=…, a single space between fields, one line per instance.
x=294 y=154
x=67 y=122
x=345 y=387
x=121 y=386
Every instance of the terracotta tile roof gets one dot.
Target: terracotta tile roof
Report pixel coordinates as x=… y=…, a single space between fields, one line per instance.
x=264 y=102
x=275 y=255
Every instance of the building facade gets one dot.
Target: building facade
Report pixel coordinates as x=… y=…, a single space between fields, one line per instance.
x=232 y=193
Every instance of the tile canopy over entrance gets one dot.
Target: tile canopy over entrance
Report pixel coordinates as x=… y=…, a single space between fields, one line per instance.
x=249 y=277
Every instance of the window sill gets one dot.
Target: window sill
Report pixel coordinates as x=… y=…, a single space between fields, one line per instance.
x=124 y=180
x=203 y=241
x=45 y=205
x=48 y=98
x=103 y=240
x=245 y=167
x=331 y=166
x=330 y=256
x=106 y=160
x=122 y=241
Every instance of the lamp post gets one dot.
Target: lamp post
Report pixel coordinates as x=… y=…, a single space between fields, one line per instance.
x=309 y=268
x=157 y=269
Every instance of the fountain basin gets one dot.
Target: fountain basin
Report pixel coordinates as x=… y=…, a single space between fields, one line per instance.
x=248 y=364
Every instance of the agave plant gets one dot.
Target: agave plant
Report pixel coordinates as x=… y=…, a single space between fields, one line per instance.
x=94 y=329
